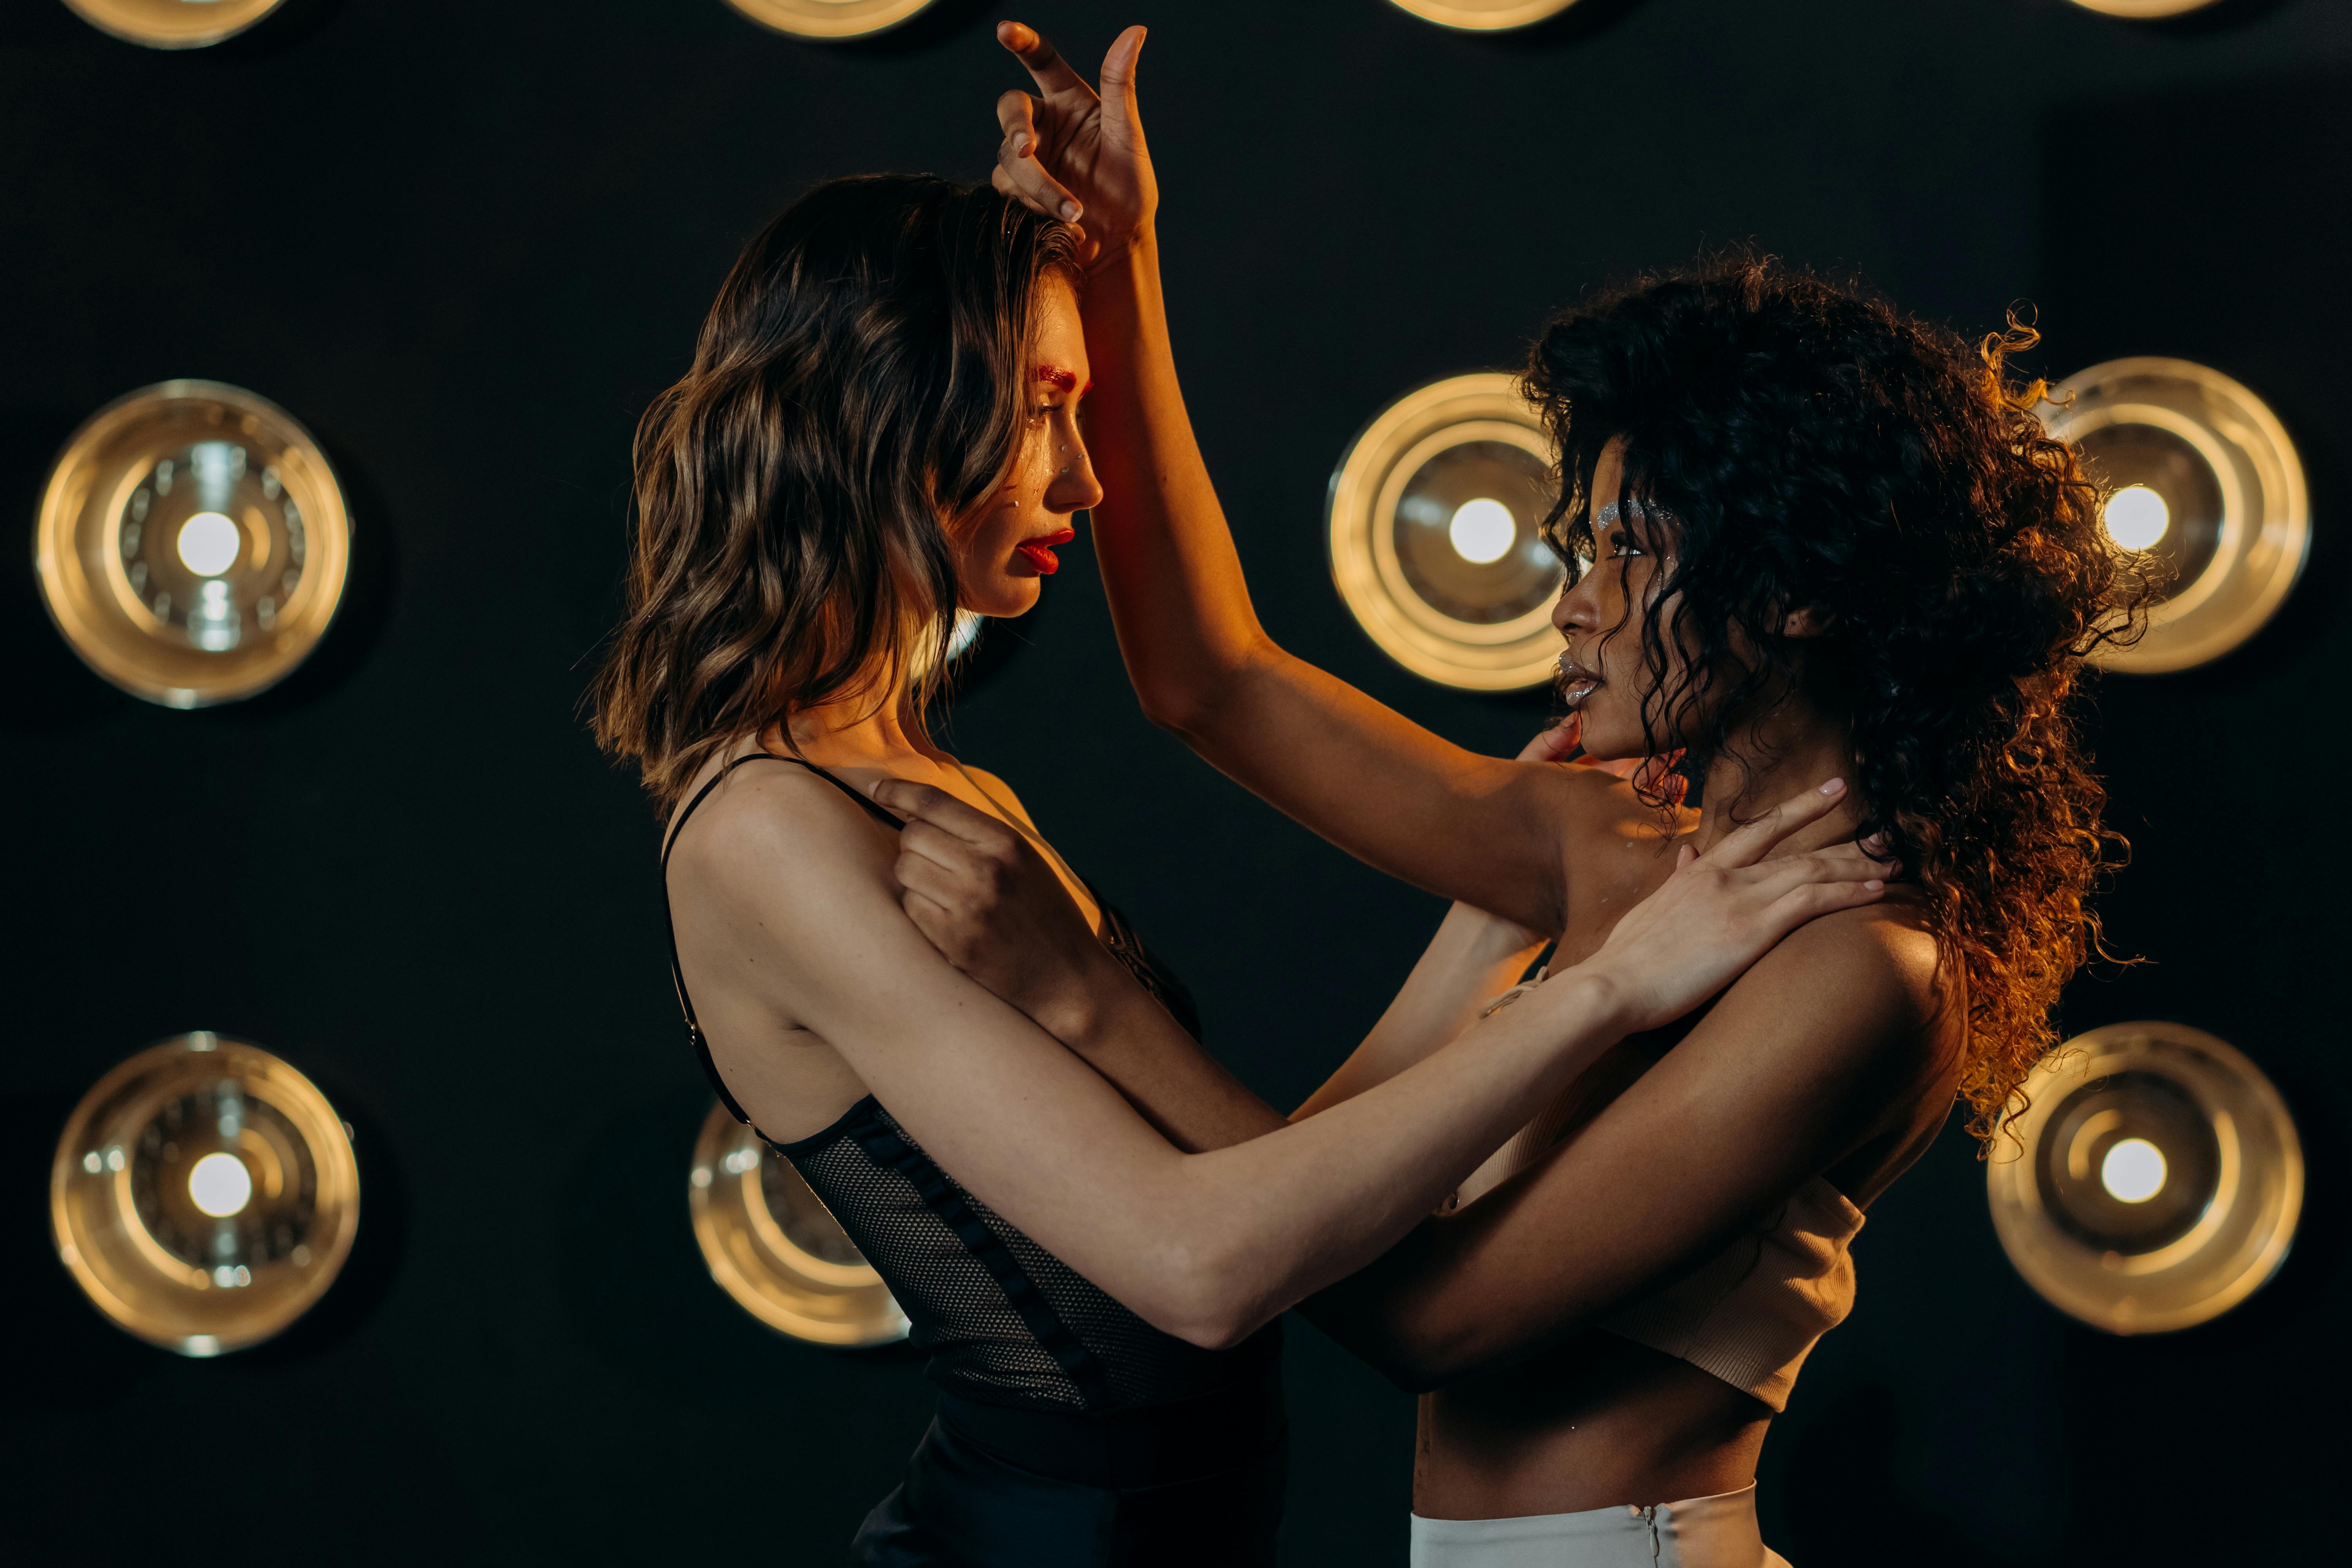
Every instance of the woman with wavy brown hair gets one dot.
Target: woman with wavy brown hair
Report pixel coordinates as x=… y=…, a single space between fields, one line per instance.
x=1806 y=536
x=878 y=434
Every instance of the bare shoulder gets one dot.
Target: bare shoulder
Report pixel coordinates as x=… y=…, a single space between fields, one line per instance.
x=1004 y=794
x=1615 y=847
x=1860 y=985
x=767 y=828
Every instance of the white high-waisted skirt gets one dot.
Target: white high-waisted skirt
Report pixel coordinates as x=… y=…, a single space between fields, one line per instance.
x=1700 y=1533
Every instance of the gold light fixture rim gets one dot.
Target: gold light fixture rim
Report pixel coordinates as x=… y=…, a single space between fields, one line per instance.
x=2259 y=1190
x=830 y=20
x=2265 y=536
x=203 y=1056
x=1367 y=476
x=767 y=1274
x=64 y=504
x=1501 y=16
x=2144 y=10
x=123 y=21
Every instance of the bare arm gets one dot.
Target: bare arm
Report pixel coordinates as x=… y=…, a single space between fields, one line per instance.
x=999 y=914
x=1474 y=958
x=1799 y=1063
x=1385 y=789
x=1803 y=1056
x=1206 y=1245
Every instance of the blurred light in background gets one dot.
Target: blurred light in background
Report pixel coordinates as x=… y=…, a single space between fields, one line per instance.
x=1482 y=530
x=829 y=18
x=1484 y=16
x=772 y=1245
x=2159 y=1181
x=1434 y=536
x=2205 y=485
x=209 y=545
x=172 y=24
x=2144 y=10
x=192 y=544
x=203 y=1195
x=220 y=1184
x=2133 y=1170
x=2137 y=517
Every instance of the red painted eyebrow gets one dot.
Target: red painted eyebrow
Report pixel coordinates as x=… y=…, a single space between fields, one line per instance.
x=1057 y=378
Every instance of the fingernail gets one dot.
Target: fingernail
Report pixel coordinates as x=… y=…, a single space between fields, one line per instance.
x=1069 y=212
x=1875 y=843
x=1874 y=885
x=1834 y=786
x=1021 y=145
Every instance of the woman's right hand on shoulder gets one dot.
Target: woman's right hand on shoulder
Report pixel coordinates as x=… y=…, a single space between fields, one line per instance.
x=1721 y=911
x=1073 y=153
x=986 y=898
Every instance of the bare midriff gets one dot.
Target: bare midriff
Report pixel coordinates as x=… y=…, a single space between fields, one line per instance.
x=1593 y=1422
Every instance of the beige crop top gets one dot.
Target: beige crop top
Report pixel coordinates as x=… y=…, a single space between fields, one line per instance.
x=1752 y=1313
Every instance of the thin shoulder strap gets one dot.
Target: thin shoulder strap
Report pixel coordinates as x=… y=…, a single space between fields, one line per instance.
x=669 y=922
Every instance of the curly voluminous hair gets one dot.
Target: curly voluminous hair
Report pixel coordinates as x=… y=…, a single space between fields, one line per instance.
x=1817 y=447
x=857 y=384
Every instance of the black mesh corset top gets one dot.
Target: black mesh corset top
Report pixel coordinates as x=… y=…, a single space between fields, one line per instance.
x=1005 y=1322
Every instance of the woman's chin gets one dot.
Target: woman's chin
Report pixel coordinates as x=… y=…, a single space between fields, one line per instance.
x=1007 y=597
x=1600 y=746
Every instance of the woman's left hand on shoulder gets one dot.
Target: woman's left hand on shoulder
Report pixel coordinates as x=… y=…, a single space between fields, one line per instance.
x=1721 y=911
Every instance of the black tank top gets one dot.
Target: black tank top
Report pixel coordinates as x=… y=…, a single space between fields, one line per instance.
x=1005 y=1322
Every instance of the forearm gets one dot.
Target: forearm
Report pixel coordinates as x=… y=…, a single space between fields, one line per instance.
x=1123 y=1034
x=1372 y=782
x=1304 y=1206
x=1179 y=601
x=1128 y=1038
x=1474 y=957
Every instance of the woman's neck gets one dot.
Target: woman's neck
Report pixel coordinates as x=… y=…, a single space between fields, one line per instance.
x=1791 y=749
x=858 y=732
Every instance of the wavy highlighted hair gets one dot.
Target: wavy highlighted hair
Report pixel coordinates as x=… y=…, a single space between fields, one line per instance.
x=856 y=385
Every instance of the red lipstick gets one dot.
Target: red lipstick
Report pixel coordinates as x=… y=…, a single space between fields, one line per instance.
x=1039 y=552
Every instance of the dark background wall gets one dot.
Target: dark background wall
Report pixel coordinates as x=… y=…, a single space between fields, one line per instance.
x=466 y=241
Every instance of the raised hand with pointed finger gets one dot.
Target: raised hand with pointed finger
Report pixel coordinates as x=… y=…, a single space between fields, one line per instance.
x=1075 y=153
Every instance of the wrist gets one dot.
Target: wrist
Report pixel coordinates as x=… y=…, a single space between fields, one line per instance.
x=1591 y=996
x=1081 y=1012
x=1134 y=248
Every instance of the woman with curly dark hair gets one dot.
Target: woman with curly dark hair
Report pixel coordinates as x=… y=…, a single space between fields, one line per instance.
x=878 y=434
x=1807 y=535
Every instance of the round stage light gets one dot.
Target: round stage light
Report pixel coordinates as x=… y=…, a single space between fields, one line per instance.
x=2144 y=10
x=203 y=1195
x=172 y=24
x=829 y=18
x=1433 y=538
x=1484 y=16
x=193 y=543
x=220 y=1185
x=2133 y=1170
x=2205 y=484
x=1482 y=530
x=772 y=1245
x=2159 y=1180
x=2137 y=517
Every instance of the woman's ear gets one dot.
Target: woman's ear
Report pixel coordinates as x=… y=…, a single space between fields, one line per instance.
x=1812 y=621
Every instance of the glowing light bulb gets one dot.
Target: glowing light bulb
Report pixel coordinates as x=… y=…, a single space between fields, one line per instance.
x=2137 y=517
x=220 y=1185
x=209 y=543
x=2133 y=1170
x=1482 y=530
